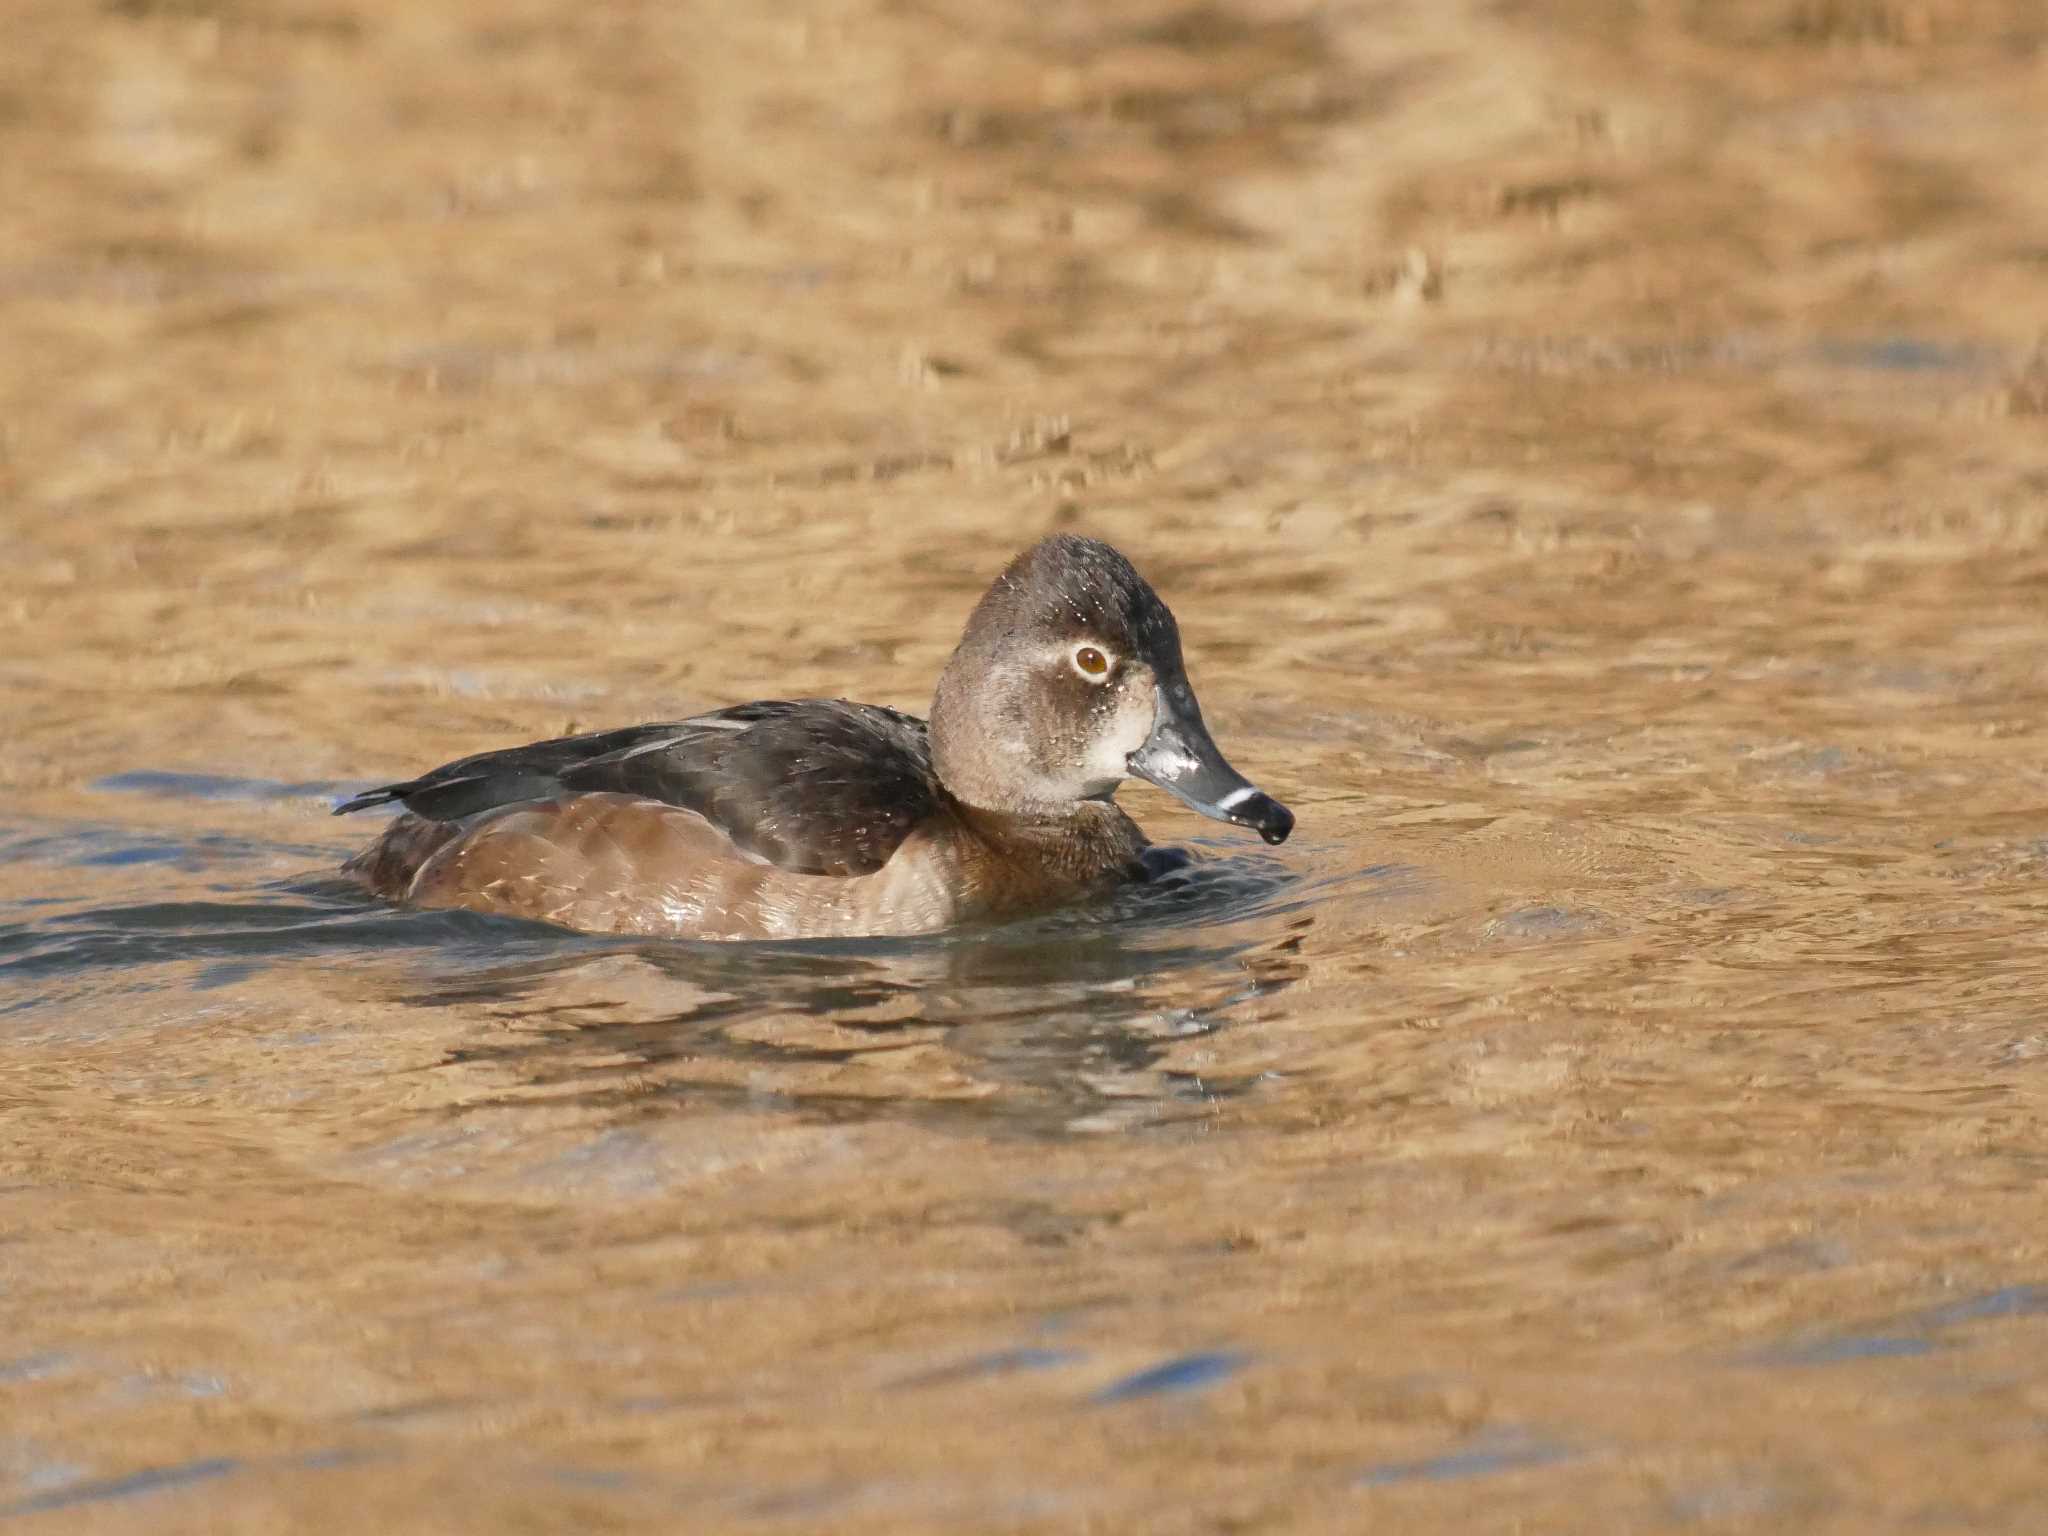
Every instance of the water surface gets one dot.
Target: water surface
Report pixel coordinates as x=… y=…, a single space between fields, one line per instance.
x=1596 y=455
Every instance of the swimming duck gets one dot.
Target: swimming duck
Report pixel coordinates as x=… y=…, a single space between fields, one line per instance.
x=820 y=818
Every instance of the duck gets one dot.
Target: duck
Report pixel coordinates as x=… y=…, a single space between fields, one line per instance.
x=821 y=818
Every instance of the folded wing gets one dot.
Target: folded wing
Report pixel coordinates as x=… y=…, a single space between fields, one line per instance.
x=815 y=786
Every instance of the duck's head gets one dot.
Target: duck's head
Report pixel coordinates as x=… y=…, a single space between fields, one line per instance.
x=1069 y=680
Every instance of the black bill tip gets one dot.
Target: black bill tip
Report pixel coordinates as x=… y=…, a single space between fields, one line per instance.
x=1181 y=758
x=1259 y=811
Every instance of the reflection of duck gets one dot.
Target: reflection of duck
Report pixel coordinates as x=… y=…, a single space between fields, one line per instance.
x=819 y=818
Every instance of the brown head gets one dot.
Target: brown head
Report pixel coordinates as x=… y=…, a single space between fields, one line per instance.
x=1068 y=680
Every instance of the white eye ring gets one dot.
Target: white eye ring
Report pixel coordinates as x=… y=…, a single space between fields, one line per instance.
x=1093 y=663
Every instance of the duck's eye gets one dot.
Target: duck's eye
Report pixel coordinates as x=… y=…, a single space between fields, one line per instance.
x=1091 y=663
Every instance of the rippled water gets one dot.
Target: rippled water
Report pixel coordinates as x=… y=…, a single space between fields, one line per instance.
x=1596 y=455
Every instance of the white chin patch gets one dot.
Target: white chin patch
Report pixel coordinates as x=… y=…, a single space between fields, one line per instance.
x=1108 y=759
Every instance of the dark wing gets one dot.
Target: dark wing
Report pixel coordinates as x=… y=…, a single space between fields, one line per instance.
x=818 y=786
x=492 y=779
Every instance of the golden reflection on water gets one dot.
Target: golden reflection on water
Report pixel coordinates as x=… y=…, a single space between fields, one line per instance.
x=1597 y=455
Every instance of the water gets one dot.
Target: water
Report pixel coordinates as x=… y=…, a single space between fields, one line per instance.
x=1596 y=458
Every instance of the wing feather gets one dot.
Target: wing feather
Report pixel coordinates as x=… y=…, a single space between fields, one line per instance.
x=817 y=786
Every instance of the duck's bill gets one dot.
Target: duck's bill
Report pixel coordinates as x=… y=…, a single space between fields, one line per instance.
x=1181 y=759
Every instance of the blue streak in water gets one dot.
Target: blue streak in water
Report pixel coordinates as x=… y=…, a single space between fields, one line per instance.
x=1908 y=1335
x=2010 y=1301
x=209 y=786
x=98 y=1490
x=122 y=858
x=1185 y=1373
x=1480 y=1459
x=34 y=1367
x=1855 y=1346
x=997 y=1362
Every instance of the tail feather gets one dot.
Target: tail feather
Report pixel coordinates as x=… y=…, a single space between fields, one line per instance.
x=370 y=797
